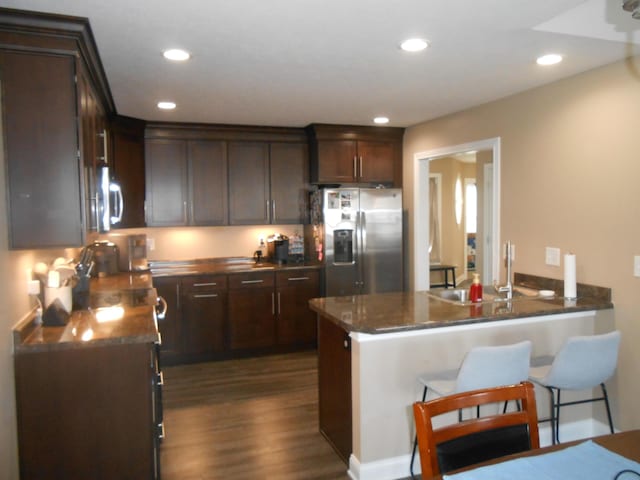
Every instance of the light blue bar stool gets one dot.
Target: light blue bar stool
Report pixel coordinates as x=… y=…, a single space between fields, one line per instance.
x=482 y=367
x=583 y=363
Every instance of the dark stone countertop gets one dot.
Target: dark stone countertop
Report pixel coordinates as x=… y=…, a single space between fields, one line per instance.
x=228 y=265
x=130 y=296
x=406 y=311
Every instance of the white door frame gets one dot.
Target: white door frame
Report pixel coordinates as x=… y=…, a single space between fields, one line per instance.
x=421 y=205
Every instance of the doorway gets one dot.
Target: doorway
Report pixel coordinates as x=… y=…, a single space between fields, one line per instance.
x=488 y=214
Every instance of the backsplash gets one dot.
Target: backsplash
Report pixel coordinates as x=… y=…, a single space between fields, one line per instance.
x=188 y=243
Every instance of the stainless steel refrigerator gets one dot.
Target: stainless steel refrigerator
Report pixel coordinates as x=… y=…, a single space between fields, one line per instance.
x=360 y=239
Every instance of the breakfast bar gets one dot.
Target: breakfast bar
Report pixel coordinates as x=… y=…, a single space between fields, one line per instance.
x=372 y=348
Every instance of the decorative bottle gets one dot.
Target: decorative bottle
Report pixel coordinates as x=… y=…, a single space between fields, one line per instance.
x=475 y=291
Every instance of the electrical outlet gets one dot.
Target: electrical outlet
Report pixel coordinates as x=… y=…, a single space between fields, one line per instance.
x=33 y=287
x=636 y=266
x=552 y=256
x=151 y=244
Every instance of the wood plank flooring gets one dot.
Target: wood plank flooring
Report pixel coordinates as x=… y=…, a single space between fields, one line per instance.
x=251 y=418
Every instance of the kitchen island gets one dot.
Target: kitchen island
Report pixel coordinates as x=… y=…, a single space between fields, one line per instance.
x=372 y=349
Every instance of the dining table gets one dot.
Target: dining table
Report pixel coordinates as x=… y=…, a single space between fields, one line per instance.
x=621 y=451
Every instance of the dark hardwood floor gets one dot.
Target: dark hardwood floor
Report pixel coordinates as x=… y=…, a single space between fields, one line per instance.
x=249 y=418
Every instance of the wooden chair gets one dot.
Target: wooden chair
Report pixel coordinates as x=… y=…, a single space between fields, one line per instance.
x=477 y=439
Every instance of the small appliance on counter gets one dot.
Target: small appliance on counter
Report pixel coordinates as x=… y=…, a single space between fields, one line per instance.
x=278 y=248
x=132 y=251
x=105 y=258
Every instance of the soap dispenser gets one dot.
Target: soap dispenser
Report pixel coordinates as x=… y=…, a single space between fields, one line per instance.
x=475 y=291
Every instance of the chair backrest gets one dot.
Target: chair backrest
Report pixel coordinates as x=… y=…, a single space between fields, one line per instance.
x=491 y=366
x=584 y=361
x=475 y=440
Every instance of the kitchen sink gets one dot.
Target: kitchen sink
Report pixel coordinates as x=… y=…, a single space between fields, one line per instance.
x=460 y=296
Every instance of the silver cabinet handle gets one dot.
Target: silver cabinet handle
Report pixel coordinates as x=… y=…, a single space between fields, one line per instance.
x=160 y=379
x=355 y=168
x=273 y=210
x=268 y=205
x=273 y=304
x=161 y=430
x=206 y=295
x=278 y=303
x=361 y=166
x=298 y=279
x=209 y=284
x=162 y=313
x=246 y=282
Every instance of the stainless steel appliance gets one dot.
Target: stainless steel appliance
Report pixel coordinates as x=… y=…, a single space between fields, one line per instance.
x=360 y=235
x=105 y=258
x=107 y=201
x=132 y=251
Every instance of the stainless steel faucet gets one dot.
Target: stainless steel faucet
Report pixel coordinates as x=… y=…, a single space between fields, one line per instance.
x=508 y=288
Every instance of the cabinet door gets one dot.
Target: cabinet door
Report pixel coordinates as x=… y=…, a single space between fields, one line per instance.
x=208 y=182
x=249 y=183
x=166 y=174
x=337 y=161
x=41 y=146
x=169 y=327
x=296 y=321
x=376 y=161
x=127 y=159
x=251 y=311
x=289 y=173
x=204 y=312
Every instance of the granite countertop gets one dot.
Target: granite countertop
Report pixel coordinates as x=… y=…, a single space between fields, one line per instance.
x=225 y=265
x=405 y=311
x=129 y=298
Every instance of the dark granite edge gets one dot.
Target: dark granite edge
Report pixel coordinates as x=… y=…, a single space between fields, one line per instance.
x=544 y=283
x=222 y=265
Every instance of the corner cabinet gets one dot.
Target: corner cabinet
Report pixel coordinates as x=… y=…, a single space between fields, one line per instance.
x=54 y=98
x=343 y=154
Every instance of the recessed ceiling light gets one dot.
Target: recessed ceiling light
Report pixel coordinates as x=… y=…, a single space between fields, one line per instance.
x=381 y=120
x=414 y=45
x=166 y=105
x=550 y=59
x=176 y=54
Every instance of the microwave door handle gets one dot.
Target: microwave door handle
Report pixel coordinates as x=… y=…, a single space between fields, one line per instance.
x=119 y=207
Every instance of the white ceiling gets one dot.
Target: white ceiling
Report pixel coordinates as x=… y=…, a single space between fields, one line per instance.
x=294 y=62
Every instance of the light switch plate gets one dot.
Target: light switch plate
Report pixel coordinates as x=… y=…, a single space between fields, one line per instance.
x=636 y=266
x=552 y=256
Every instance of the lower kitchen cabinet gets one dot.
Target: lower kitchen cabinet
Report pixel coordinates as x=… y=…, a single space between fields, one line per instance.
x=194 y=327
x=88 y=412
x=204 y=313
x=252 y=310
x=296 y=321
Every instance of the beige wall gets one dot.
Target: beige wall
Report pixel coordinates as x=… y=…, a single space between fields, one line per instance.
x=569 y=179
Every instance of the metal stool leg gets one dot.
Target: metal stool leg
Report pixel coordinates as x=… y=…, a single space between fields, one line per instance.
x=552 y=413
x=606 y=403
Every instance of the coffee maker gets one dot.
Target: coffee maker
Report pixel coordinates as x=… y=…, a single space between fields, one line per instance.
x=278 y=248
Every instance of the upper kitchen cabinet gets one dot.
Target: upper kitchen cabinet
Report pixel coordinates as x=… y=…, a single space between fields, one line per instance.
x=343 y=154
x=186 y=178
x=127 y=163
x=55 y=98
x=225 y=175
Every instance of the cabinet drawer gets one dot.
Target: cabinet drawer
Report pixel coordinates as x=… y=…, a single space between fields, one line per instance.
x=251 y=280
x=204 y=283
x=293 y=277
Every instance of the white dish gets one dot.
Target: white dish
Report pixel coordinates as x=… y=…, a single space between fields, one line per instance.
x=546 y=293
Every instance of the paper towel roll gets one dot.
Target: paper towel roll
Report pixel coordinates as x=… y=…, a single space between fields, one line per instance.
x=570 y=290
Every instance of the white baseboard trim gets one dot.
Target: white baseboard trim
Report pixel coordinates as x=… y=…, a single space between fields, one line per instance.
x=398 y=467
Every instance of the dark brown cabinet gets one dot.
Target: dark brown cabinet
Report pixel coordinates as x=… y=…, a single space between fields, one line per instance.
x=127 y=163
x=296 y=322
x=54 y=102
x=88 y=412
x=354 y=154
x=267 y=183
x=204 y=315
x=252 y=311
x=186 y=182
x=194 y=327
x=334 y=386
